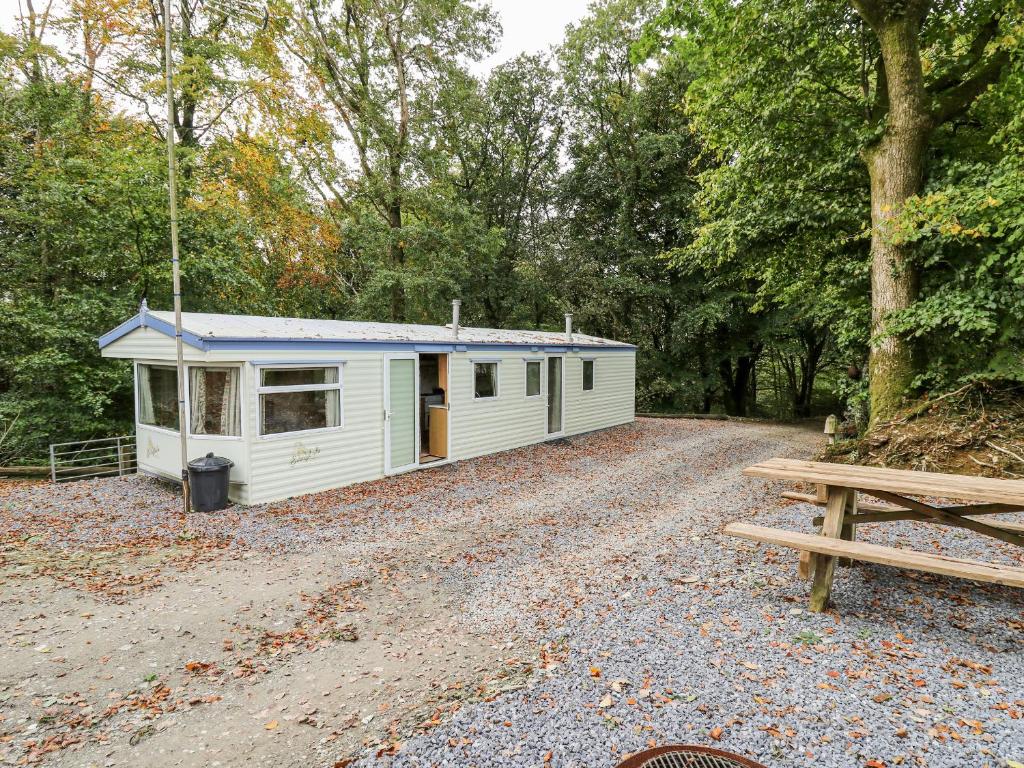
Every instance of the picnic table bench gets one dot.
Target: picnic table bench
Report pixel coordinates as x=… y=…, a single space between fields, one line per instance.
x=837 y=487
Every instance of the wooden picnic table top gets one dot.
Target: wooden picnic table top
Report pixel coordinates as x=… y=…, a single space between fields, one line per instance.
x=899 y=481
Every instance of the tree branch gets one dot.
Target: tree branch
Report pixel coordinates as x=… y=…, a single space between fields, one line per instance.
x=959 y=99
x=880 y=106
x=871 y=11
x=960 y=69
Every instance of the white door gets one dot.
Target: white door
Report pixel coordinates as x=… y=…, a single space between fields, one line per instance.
x=401 y=412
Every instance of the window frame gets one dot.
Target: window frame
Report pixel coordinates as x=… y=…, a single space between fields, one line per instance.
x=593 y=375
x=496 y=362
x=272 y=390
x=527 y=362
x=135 y=372
x=241 y=400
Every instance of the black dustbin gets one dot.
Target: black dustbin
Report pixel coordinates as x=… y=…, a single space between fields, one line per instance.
x=208 y=482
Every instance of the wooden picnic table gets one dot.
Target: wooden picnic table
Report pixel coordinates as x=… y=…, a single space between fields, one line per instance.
x=837 y=488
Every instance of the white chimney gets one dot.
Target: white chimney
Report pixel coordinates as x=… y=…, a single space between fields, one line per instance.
x=568 y=327
x=456 y=303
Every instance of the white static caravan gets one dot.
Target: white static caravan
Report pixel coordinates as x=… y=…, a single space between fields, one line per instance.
x=302 y=406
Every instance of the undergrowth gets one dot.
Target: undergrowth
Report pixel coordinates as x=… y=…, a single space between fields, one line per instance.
x=977 y=429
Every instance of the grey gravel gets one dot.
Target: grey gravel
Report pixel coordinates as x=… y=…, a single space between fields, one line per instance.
x=692 y=631
x=601 y=559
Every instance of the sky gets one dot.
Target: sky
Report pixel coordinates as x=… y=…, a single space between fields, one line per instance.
x=529 y=26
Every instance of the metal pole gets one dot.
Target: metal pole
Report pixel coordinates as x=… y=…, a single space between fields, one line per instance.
x=172 y=191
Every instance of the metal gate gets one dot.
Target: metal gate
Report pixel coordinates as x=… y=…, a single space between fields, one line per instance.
x=103 y=457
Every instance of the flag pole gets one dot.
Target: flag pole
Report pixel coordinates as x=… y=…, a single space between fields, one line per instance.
x=172 y=191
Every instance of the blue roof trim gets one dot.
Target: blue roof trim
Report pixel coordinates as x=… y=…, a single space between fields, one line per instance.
x=147 y=320
x=123 y=329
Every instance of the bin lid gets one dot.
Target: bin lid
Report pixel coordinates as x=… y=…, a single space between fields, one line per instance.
x=210 y=463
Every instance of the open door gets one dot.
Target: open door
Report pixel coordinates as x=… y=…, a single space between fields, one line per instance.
x=400 y=413
x=555 y=395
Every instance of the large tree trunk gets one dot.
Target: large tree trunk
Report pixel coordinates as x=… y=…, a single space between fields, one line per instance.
x=896 y=168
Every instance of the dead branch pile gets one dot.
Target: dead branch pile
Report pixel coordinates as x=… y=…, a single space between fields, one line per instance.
x=977 y=429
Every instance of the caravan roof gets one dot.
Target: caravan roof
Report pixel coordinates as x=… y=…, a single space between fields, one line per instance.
x=207 y=330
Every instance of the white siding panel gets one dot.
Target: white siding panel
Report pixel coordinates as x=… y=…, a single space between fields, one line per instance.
x=284 y=466
x=486 y=426
x=610 y=402
x=148 y=344
x=159 y=454
x=279 y=467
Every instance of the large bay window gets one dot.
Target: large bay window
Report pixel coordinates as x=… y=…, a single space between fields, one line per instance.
x=214 y=402
x=158 y=395
x=298 y=399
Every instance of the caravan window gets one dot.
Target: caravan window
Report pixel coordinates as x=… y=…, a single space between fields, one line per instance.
x=588 y=374
x=299 y=399
x=485 y=380
x=158 y=395
x=214 y=402
x=532 y=378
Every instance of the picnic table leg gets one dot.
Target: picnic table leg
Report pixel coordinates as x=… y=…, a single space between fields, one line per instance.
x=805 y=567
x=849 y=530
x=824 y=565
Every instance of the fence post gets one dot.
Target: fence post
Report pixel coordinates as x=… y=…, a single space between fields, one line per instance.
x=120 y=459
x=53 y=465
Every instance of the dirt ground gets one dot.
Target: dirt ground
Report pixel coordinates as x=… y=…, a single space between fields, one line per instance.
x=172 y=649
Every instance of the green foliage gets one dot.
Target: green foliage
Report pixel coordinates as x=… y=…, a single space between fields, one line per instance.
x=62 y=199
x=969 y=228
x=689 y=177
x=787 y=100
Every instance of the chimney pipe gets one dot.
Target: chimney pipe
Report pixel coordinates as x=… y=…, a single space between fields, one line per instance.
x=456 y=303
x=568 y=327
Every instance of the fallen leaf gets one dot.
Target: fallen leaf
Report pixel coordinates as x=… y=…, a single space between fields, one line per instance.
x=716 y=733
x=271 y=725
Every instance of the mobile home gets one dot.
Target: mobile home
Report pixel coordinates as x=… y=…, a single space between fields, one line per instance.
x=306 y=405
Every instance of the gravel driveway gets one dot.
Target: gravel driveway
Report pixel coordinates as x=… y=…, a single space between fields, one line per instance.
x=558 y=605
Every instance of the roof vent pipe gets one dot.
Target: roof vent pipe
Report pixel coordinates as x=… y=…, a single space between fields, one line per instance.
x=456 y=303
x=568 y=327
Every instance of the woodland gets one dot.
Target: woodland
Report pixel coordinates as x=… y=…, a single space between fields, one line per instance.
x=790 y=207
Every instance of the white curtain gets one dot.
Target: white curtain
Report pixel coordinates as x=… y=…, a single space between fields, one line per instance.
x=333 y=411
x=197 y=393
x=333 y=397
x=215 y=387
x=146 y=415
x=230 y=411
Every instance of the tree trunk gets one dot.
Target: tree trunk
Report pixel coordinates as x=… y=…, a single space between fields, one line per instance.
x=896 y=168
x=396 y=247
x=737 y=384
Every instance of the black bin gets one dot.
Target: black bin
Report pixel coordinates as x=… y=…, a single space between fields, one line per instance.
x=208 y=482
